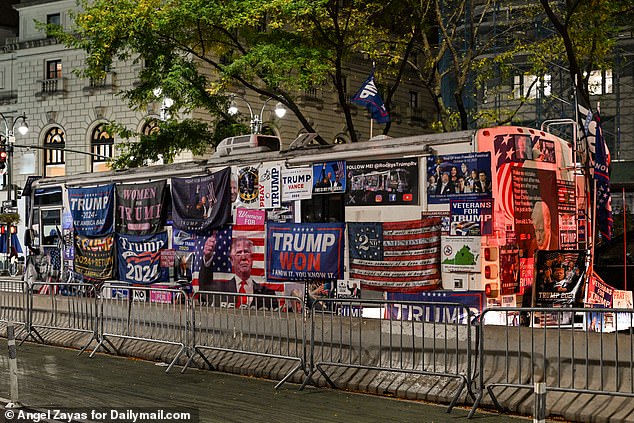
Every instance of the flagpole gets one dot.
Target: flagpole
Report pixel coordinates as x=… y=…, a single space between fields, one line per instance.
x=371 y=126
x=624 y=242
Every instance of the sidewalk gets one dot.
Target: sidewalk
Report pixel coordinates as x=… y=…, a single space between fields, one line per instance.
x=57 y=377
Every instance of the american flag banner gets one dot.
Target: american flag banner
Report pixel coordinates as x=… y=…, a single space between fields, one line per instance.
x=221 y=263
x=505 y=160
x=396 y=256
x=602 y=176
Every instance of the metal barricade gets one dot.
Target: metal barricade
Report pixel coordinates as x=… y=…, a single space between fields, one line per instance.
x=260 y=325
x=14 y=303
x=157 y=315
x=63 y=307
x=432 y=339
x=552 y=347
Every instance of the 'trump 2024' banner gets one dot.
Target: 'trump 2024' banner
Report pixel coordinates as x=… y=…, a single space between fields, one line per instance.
x=91 y=209
x=307 y=251
x=140 y=258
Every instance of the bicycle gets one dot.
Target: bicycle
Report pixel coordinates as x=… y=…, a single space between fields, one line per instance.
x=12 y=267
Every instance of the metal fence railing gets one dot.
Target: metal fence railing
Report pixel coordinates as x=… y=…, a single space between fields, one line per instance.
x=157 y=315
x=64 y=307
x=438 y=341
x=577 y=351
x=260 y=325
x=14 y=303
x=568 y=350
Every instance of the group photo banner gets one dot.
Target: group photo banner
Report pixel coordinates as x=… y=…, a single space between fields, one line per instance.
x=202 y=203
x=304 y=251
x=382 y=182
x=140 y=208
x=92 y=209
x=458 y=177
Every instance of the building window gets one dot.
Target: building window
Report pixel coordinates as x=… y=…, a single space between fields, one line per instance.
x=53 y=69
x=531 y=86
x=103 y=146
x=600 y=82
x=150 y=127
x=54 y=144
x=413 y=99
x=53 y=19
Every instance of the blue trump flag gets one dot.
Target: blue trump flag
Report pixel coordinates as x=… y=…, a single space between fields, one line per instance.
x=369 y=96
x=602 y=177
x=304 y=251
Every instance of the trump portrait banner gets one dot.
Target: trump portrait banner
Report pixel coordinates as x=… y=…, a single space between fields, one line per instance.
x=139 y=258
x=139 y=209
x=396 y=256
x=306 y=251
x=203 y=202
x=91 y=209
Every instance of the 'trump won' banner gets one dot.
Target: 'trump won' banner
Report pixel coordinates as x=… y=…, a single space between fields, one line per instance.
x=91 y=209
x=308 y=251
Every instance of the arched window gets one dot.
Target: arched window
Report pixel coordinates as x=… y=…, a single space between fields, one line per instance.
x=54 y=143
x=102 y=145
x=151 y=126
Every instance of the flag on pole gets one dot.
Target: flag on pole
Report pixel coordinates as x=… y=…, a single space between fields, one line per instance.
x=369 y=96
x=602 y=176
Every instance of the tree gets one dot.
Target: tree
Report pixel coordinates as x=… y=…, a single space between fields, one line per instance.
x=197 y=50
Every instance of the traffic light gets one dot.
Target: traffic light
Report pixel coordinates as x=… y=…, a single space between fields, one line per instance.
x=3 y=158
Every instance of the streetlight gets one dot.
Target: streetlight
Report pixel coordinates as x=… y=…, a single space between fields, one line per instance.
x=9 y=141
x=256 y=119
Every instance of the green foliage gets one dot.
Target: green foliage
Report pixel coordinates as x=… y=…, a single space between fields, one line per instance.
x=9 y=218
x=170 y=138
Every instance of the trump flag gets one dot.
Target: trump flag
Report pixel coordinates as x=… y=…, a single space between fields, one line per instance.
x=396 y=256
x=368 y=96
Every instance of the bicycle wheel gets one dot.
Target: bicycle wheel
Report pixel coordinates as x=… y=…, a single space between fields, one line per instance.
x=13 y=269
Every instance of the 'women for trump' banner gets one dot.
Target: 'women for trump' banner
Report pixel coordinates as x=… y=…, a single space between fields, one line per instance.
x=94 y=257
x=202 y=203
x=396 y=256
x=139 y=258
x=140 y=208
x=307 y=251
x=91 y=209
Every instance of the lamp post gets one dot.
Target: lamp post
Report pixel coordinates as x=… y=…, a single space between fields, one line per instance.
x=256 y=119
x=9 y=141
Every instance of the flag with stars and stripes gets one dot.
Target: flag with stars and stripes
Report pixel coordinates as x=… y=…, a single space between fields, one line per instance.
x=221 y=262
x=505 y=160
x=396 y=256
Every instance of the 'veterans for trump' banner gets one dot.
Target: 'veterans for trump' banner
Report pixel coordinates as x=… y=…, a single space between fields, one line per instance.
x=91 y=209
x=140 y=208
x=139 y=258
x=306 y=251
x=203 y=202
x=396 y=256
x=94 y=257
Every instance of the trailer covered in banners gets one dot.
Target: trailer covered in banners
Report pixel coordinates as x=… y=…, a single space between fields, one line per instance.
x=461 y=216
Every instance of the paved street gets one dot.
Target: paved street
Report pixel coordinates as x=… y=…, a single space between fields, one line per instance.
x=56 y=377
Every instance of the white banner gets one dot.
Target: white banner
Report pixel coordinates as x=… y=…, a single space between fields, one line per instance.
x=297 y=184
x=270 y=187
